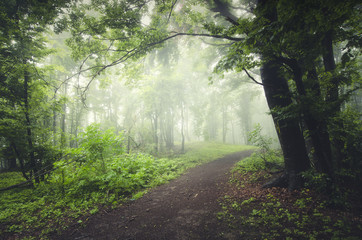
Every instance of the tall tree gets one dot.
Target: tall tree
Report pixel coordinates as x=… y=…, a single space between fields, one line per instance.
x=22 y=90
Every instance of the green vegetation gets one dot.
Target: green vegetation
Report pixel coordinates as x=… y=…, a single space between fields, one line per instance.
x=85 y=181
x=184 y=71
x=8 y=179
x=300 y=218
x=266 y=158
x=251 y=211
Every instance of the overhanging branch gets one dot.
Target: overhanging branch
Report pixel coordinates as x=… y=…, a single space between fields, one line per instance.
x=251 y=77
x=130 y=53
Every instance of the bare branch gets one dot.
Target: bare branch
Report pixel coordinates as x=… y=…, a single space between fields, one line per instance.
x=251 y=77
x=131 y=53
x=208 y=35
x=217 y=44
x=172 y=7
x=223 y=10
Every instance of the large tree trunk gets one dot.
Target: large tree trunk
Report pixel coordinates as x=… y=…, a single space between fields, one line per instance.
x=289 y=132
x=332 y=94
x=317 y=127
x=278 y=97
x=319 y=131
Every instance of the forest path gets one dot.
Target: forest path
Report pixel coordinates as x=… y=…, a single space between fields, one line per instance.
x=184 y=208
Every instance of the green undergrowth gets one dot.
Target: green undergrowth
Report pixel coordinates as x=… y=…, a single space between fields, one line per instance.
x=255 y=163
x=8 y=179
x=82 y=184
x=252 y=212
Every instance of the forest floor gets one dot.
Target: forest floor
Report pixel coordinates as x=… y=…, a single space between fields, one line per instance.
x=200 y=205
x=185 y=208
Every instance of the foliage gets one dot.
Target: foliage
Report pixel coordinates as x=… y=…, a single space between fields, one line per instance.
x=345 y=183
x=81 y=185
x=313 y=47
x=8 y=179
x=253 y=212
x=255 y=163
x=351 y=135
x=276 y=220
x=299 y=36
x=100 y=145
x=25 y=105
x=265 y=158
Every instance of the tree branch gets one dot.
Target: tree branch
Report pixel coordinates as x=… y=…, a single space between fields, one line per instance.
x=172 y=7
x=222 y=9
x=217 y=44
x=251 y=77
x=130 y=53
x=207 y=35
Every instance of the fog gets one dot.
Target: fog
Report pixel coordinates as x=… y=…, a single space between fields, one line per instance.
x=169 y=97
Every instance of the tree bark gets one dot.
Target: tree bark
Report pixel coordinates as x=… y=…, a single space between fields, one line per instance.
x=278 y=97
x=182 y=129
x=21 y=161
x=332 y=94
x=289 y=132
x=154 y=120
x=29 y=135
x=64 y=109
x=317 y=127
x=224 y=123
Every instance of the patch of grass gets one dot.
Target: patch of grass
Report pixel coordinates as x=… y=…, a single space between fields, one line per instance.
x=10 y=178
x=272 y=162
x=78 y=189
x=203 y=152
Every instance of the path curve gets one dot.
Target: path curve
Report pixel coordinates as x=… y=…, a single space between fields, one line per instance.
x=184 y=208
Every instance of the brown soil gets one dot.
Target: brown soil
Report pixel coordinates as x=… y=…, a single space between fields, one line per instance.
x=185 y=208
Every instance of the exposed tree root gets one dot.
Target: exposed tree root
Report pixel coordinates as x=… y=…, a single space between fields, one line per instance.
x=291 y=181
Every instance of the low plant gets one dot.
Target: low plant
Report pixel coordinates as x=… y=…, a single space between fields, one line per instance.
x=84 y=181
x=264 y=158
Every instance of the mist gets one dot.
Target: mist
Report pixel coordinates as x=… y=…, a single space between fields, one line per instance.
x=254 y=106
x=168 y=97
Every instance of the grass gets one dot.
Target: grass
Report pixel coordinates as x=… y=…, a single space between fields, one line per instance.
x=8 y=179
x=77 y=189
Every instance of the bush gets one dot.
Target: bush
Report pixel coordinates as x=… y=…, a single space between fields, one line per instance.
x=265 y=158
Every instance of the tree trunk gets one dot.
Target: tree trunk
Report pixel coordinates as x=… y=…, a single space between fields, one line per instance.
x=29 y=135
x=330 y=66
x=182 y=129
x=154 y=120
x=317 y=127
x=11 y=161
x=64 y=109
x=224 y=122
x=332 y=94
x=278 y=97
x=289 y=132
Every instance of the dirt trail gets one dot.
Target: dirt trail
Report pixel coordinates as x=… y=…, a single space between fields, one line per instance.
x=185 y=208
